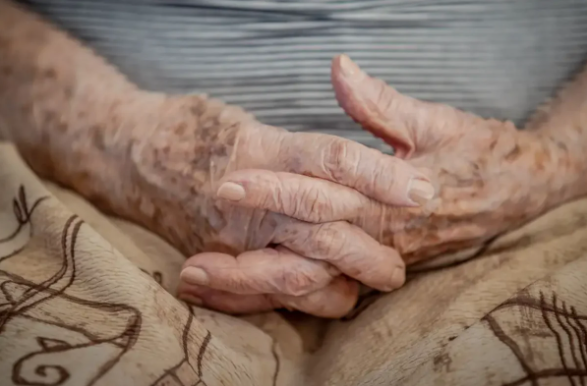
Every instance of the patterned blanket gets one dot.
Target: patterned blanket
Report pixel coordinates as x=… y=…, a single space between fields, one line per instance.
x=89 y=300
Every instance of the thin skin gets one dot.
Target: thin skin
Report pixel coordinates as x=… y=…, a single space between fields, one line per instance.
x=329 y=204
x=491 y=177
x=159 y=159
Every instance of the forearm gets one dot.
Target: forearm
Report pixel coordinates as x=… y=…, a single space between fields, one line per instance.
x=63 y=106
x=562 y=123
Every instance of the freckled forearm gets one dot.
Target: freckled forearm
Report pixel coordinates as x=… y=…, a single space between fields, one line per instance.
x=76 y=120
x=60 y=103
x=562 y=124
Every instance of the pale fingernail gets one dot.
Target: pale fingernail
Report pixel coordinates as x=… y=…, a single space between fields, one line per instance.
x=398 y=277
x=348 y=67
x=420 y=191
x=194 y=275
x=231 y=191
x=192 y=300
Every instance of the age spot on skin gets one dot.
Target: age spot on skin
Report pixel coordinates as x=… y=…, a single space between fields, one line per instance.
x=541 y=158
x=513 y=154
x=49 y=73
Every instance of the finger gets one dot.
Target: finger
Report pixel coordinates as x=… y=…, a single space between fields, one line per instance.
x=334 y=301
x=223 y=301
x=304 y=198
x=411 y=126
x=265 y=271
x=384 y=178
x=348 y=248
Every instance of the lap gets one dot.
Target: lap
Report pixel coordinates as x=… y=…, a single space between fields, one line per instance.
x=88 y=300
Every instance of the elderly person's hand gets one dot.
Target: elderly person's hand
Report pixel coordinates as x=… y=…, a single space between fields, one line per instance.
x=490 y=177
x=273 y=204
x=180 y=165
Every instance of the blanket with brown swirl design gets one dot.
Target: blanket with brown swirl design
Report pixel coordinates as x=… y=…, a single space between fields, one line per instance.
x=89 y=300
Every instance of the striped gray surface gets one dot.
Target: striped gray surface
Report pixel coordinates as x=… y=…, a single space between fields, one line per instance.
x=497 y=58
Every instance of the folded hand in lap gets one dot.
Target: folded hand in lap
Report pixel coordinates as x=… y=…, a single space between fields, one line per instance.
x=269 y=209
x=489 y=177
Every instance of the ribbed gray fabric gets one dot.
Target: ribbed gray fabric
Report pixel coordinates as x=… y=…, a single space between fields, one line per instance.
x=498 y=58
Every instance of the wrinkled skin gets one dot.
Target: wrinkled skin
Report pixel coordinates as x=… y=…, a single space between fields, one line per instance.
x=162 y=161
x=489 y=175
x=490 y=178
x=187 y=170
x=303 y=215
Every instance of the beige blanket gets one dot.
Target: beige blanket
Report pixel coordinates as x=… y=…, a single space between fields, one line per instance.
x=88 y=300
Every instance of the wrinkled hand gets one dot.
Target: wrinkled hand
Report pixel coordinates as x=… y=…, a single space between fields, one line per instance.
x=261 y=202
x=490 y=177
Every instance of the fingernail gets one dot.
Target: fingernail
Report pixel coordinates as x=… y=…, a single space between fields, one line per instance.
x=420 y=191
x=348 y=67
x=231 y=191
x=398 y=277
x=192 y=300
x=194 y=275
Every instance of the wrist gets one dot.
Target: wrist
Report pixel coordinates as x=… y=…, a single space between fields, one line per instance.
x=566 y=169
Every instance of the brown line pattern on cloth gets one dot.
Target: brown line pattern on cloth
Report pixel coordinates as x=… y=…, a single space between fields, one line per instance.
x=171 y=371
x=277 y=362
x=201 y=353
x=156 y=275
x=524 y=300
x=185 y=338
x=19 y=380
x=513 y=346
x=22 y=213
x=81 y=331
x=559 y=341
x=571 y=338
x=129 y=335
x=23 y=216
x=549 y=373
x=16 y=308
x=582 y=334
x=96 y=305
x=14 y=253
x=186 y=334
x=65 y=263
x=115 y=307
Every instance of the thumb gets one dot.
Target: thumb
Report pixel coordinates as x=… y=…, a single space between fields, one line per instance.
x=411 y=126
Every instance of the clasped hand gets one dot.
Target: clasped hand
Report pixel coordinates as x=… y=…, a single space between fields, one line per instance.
x=298 y=220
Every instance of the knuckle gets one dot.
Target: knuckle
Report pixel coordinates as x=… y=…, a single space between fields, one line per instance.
x=300 y=282
x=314 y=207
x=336 y=161
x=380 y=175
x=276 y=196
x=303 y=201
x=288 y=198
x=329 y=241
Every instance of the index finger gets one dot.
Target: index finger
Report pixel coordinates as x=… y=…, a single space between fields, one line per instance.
x=382 y=177
x=333 y=301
